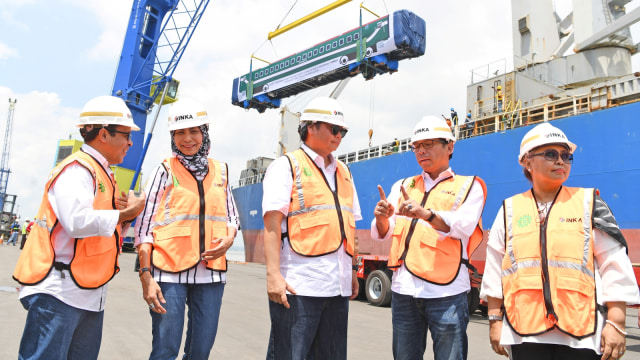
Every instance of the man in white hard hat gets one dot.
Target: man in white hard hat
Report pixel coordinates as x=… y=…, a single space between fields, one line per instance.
x=433 y=221
x=309 y=207
x=73 y=245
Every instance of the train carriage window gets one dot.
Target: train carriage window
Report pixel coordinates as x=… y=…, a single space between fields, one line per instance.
x=341 y=41
x=321 y=49
x=271 y=70
x=334 y=44
x=304 y=57
x=293 y=60
x=277 y=67
x=328 y=47
x=261 y=72
x=356 y=36
x=309 y=54
x=315 y=52
x=266 y=71
x=299 y=58
x=349 y=38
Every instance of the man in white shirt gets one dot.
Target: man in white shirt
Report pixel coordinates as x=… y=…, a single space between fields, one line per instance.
x=309 y=208
x=433 y=220
x=74 y=243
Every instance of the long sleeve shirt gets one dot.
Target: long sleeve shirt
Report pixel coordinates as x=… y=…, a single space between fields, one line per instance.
x=71 y=198
x=461 y=222
x=326 y=275
x=154 y=191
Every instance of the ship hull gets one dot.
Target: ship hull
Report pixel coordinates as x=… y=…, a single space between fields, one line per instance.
x=606 y=158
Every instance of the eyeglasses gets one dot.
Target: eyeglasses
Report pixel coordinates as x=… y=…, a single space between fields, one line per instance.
x=126 y=134
x=553 y=155
x=335 y=129
x=426 y=145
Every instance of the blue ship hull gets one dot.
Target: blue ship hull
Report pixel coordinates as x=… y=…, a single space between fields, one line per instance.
x=606 y=158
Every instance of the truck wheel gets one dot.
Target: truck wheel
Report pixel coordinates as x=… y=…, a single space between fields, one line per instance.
x=473 y=299
x=378 y=288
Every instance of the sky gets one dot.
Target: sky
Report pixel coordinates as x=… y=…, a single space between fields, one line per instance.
x=55 y=55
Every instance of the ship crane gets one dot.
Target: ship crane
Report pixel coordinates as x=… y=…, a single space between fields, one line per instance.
x=6 y=152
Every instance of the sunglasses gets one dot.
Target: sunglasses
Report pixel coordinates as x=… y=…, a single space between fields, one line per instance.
x=426 y=145
x=127 y=134
x=553 y=155
x=335 y=129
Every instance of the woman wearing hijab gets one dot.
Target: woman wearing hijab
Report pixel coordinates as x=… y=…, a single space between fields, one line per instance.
x=188 y=224
x=557 y=275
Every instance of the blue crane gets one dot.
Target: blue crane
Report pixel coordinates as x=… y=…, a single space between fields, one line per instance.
x=150 y=54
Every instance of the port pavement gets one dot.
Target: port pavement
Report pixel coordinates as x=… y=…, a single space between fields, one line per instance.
x=244 y=322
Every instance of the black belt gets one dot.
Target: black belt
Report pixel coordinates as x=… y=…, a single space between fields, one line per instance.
x=61 y=266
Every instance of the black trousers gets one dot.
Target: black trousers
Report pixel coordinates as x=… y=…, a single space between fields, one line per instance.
x=534 y=351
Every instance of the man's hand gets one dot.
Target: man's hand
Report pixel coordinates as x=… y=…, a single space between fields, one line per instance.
x=382 y=213
x=411 y=208
x=355 y=286
x=133 y=207
x=277 y=289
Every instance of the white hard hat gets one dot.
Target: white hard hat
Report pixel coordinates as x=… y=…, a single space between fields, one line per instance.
x=324 y=109
x=543 y=134
x=186 y=113
x=107 y=110
x=431 y=127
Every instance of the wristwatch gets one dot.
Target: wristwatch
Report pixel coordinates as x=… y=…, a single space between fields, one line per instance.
x=143 y=270
x=494 y=317
x=433 y=214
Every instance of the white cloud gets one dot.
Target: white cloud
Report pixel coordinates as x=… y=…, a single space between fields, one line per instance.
x=6 y=52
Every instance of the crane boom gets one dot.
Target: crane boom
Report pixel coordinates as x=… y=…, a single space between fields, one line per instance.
x=150 y=54
x=6 y=153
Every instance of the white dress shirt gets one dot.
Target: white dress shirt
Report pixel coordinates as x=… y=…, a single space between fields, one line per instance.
x=309 y=276
x=155 y=188
x=613 y=269
x=461 y=222
x=71 y=197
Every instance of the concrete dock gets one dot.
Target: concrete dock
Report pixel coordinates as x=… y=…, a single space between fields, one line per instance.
x=244 y=323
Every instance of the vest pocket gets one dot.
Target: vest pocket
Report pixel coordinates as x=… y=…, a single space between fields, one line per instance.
x=524 y=302
x=172 y=232
x=98 y=245
x=575 y=298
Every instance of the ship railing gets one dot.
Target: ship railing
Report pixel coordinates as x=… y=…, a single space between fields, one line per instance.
x=249 y=180
x=396 y=146
x=516 y=116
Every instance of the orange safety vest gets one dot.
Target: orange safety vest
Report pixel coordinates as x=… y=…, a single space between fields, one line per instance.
x=437 y=262
x=95 y=259
x=548 y=276
x=190 y=215
x=319 y=220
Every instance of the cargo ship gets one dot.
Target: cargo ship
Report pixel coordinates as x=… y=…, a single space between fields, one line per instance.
x=591 y=94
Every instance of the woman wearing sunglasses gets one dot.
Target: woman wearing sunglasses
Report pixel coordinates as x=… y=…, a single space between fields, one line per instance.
x=557 y=275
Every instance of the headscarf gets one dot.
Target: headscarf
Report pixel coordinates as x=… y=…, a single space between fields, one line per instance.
x=197 y=164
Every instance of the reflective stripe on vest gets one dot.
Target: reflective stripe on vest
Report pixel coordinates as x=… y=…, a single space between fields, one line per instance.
x=415 y=243
x=95 y=259
x=319 y=220
x=190 y=215
x=548 y=274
